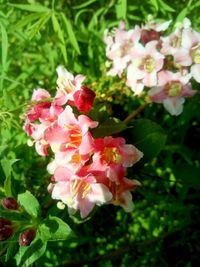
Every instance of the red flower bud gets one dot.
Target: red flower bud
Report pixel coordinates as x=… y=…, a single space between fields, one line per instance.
x=27 y=237
x=5 y=229
x=10 y=203
x=149 y=35
x=84 y=98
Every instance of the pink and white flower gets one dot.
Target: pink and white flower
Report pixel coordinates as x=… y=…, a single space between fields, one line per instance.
x=69 y=133
x=112 y=155
x=80 y=192
x=172 y=90
x=146 y=63
x=120 y=47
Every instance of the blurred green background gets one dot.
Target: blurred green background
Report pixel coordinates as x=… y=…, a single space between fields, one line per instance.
x=36 y=37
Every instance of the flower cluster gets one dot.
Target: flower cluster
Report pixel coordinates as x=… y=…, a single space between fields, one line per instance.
x=162 y=64
x=86 y=171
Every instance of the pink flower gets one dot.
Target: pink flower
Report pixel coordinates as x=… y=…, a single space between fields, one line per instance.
x=80 y=192
x=119 y=48
x=112 y=155
x=172 y=90
x=67 y=85
x=121 y=195
x=146 y=63
x=40 y=94
x=69 y=159
x=69 y=133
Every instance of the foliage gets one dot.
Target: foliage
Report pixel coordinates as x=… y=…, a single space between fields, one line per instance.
x=36 y=37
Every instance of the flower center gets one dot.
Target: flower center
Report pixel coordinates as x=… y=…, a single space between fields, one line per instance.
x=65 y=85
x=111 y=155
x=149 y=64
x=176 y=42
x=74 y=136
x=196 y=54
x=81 y=188
x=174 y=89
x=124 y=49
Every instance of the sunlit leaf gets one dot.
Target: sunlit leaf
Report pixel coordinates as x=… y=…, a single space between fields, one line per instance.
x=32 y=7
x=70 y=32
x=29 y=203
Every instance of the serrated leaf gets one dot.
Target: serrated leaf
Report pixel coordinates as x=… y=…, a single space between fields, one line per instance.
x=29 y=203
x=121 y=9
x=28 y=255
x=53 y=229
x=70 y=32
x=147 y=136
x=4 y=47
x=109 y=127
x=33 y=7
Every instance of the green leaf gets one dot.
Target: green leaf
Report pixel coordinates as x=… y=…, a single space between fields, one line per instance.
x=53 y=229
x=84 y=4
x=182 y=15
x=109 y=127
x=59 y=32
x=165 y=6
x=11 y=215
x=28 y=255
x=155 y=4
x=7 y=169
x=71 y=34
x=29 y=203
x=4 y=47
x=33 y=7
x=147 y=136
x=35 y=28
x=121 y=9
x=26 y=20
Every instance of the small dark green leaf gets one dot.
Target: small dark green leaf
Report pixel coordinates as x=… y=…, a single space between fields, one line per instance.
x=7 y=169
x=147 y=136
x=29 y=203
x=109 y=127
x=53 y=229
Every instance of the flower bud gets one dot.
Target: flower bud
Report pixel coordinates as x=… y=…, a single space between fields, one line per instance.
x=5 y=229
x=27 y=237
x=84 y=98
x=10 y=203
x=149 y=35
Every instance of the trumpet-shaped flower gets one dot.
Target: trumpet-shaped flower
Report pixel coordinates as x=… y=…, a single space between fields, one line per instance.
x=112 y=155
x=172 y=90
x=80 y=192
x=69 y=133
